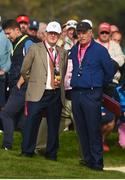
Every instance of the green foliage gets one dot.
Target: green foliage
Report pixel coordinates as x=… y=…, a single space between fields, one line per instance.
x=46 y=10
x=67 y=166
x=112 y=11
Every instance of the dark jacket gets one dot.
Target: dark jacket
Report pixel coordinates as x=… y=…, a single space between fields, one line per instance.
x=98 y=68
x=17 y=59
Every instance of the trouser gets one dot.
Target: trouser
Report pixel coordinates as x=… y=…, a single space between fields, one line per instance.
x=42 y=135
x=67 y=114
x=52 y=101
x=86 y=104
x=13 y=107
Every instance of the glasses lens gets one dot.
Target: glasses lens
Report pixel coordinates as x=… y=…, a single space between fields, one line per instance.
x=104 y=32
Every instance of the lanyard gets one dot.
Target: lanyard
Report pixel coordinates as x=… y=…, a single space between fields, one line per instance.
x=55 y=60
x=25 y=36
x=81 y=53
x=80 y=57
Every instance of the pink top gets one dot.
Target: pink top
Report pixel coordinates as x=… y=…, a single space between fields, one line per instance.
x=81 y=52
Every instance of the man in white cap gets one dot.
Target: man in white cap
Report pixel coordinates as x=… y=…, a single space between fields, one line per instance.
x=44 y=68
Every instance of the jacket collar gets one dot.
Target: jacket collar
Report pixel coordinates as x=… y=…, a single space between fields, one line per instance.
x=17 y=39
x=91 y=44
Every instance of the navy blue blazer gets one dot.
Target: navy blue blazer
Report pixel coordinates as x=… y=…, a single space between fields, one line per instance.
x=98 y=68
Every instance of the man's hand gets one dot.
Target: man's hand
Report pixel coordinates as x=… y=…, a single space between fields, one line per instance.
x=2 y=72
x=20 y=82
x=18 y=85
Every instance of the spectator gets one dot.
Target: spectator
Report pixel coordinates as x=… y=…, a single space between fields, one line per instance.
x=41 y=31
x=88 y=21
x=61 y=40
x=42 y=133
x=113 y=28
x=114 y=49
x=107 y=120
x=117 y=37
x=43 y=90
x=5 y=63
x=23 y=21
x=15 y=104
x=69 y=41
x=32 y=30
x=92 y=66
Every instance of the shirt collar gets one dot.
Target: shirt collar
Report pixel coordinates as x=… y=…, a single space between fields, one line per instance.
x=85 y=47
x=48 y=46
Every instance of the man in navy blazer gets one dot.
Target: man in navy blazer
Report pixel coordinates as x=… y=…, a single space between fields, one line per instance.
x=92 y=69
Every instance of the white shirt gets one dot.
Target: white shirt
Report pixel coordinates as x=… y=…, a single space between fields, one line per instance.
x=48 y=83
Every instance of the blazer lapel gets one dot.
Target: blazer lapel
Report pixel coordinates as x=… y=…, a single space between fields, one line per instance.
x=61 y=56
x=44 y=56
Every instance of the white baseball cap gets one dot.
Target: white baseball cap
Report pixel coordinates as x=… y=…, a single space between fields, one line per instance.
x=71 y=24
x=88 y=21
x=54 y=27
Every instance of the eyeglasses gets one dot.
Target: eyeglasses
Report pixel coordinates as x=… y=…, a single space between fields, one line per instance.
x=53 y=33
x=104 y=32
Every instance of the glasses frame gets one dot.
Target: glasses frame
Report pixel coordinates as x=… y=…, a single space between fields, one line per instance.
x=105 y=32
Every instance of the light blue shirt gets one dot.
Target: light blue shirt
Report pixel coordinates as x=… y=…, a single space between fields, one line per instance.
x=5 y=52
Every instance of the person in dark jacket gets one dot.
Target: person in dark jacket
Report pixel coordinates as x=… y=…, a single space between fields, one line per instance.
x=92 y=69
x=32 y=31
x=15 y=104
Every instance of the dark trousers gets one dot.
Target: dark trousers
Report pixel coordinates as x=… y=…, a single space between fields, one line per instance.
x=50 y=100
x=86 y=105
x=13 y=108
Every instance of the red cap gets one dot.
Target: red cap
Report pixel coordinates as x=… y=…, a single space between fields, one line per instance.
x=20 y=19
x=104 y=27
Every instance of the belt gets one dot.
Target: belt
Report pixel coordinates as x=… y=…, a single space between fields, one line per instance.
x=85 y=89
x=52 y=90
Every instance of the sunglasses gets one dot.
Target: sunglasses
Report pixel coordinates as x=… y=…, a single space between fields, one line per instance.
x=104 y=32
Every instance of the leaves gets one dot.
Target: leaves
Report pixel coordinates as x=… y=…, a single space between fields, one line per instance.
x=111 y=11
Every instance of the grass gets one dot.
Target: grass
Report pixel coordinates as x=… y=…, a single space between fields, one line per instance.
x=67 y=166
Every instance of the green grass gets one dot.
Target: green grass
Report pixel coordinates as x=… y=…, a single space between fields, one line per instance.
x=67 y=166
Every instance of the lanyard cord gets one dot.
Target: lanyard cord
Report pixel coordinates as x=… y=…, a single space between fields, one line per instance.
x=56 y=55
x=25 y=36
